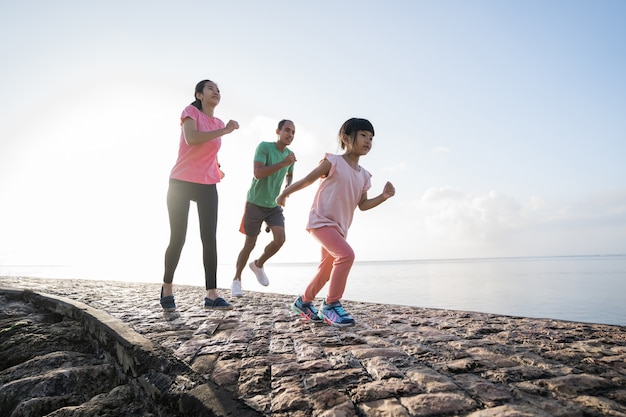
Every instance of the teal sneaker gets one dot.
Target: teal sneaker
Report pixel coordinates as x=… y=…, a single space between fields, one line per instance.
x=335 y=315
x=306 y=310
x=218 y=304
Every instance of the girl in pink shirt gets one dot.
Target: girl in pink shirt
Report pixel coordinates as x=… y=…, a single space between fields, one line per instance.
x=343 y=188
x=194 y=178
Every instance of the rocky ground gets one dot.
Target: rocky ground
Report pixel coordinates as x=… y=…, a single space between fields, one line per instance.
x=397 y=360
x=51 y=366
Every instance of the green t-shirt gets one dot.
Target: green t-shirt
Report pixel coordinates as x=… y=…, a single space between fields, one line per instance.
x=263 y=192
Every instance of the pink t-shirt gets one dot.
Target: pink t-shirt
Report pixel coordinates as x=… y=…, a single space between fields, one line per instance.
x=198 y=163
x=338 y=195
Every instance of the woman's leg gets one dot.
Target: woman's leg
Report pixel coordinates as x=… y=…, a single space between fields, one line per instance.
x=337 y=260
x=207 y=213
x=178 y=212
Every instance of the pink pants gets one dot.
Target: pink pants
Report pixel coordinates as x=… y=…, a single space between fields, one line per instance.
x=335 y=265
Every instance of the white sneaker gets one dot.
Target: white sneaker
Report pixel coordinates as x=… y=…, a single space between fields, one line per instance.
x=260 y=274
x=235 y=289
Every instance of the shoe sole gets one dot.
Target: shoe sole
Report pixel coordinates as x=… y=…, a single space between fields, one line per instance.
x=303 y=314
x=218 y=308
x=335 y=324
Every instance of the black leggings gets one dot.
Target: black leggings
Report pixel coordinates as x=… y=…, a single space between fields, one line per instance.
x=179 y=196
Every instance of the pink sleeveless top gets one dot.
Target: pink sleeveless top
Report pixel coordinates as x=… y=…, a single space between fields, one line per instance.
x=338 y=195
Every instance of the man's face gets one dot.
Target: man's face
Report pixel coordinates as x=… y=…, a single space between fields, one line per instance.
x=286 y=134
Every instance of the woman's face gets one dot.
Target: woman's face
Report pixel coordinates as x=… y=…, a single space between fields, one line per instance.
x=210 y=94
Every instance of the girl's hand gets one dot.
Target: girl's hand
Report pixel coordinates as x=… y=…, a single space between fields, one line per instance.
x=389 y=190
x=281 y=200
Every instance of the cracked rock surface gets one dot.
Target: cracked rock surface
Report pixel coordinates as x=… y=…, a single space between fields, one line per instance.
x=50 y=366
x=396 y=361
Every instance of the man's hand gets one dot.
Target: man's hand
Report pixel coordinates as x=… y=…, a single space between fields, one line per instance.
x=289 y=159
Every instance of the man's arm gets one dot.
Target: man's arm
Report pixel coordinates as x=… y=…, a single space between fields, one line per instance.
x=262 y=171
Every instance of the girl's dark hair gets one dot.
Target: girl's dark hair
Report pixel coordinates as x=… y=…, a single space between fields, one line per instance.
x=199 y=89
x=351 y=127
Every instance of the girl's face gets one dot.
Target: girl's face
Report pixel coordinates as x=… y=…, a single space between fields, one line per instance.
x=362 y=143
x=210 y=94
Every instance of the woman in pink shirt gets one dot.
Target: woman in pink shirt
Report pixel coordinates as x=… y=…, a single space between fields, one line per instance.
x=343 y=188
x=194 y=178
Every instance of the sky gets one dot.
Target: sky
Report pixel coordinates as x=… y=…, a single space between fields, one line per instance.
x=501 y=124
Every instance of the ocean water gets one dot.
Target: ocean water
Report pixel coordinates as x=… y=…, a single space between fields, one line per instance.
x=583 y=288
x=588 y=289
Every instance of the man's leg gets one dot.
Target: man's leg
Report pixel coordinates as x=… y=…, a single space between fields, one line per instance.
x=244 y=255
x=278 y=233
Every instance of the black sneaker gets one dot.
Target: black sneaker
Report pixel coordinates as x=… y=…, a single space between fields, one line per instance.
x=167 y=302
x=218 y=304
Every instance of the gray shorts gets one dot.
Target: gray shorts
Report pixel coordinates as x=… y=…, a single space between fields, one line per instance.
x=254 y=216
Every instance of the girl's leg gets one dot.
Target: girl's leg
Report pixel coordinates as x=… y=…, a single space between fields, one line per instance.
x=178 y=212
x=207 y=213
x=321 y=277
x=337 y=260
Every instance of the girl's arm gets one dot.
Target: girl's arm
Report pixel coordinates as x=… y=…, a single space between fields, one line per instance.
x=320 y=171
x=388 y=192
x=193 y=137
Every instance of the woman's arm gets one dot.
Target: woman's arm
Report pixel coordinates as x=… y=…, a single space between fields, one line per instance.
x=194 y=137
x=320 y=171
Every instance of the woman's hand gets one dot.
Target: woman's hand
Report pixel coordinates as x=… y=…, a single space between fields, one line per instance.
x=230 y=126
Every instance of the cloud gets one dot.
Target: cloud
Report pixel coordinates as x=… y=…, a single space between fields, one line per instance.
x=398 y=167
x=440 y=149
x=466 y=217
x=494 y=224
x=605 y=205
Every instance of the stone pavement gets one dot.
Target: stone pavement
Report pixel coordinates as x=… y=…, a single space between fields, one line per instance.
x=396 y=361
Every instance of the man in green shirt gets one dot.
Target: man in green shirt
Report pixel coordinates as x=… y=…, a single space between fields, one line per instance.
x=273 y=162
